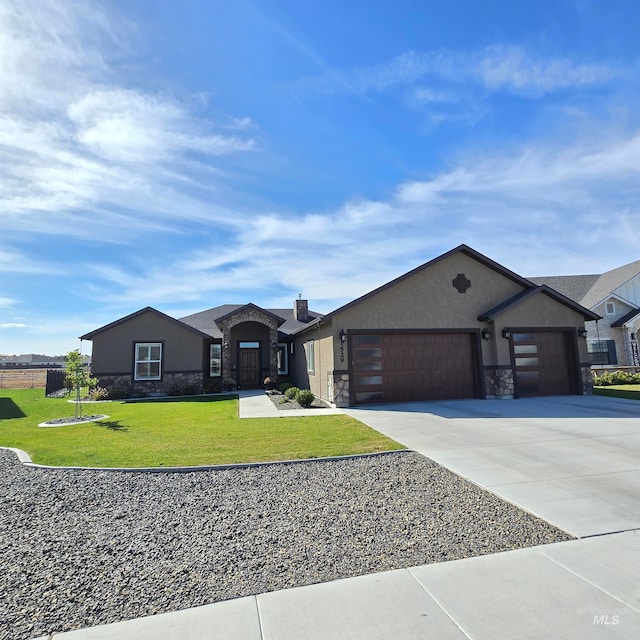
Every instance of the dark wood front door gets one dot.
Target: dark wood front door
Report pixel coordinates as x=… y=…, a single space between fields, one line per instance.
x=249 y=368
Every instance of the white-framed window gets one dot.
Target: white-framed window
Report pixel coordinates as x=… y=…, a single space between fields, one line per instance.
x=610 y=308
x=283 y=359
x=215 y=360
x=310 y=348
x=148 y=361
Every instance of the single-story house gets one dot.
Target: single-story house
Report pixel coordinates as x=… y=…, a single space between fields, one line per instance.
x=458 y=326
x=615 y=296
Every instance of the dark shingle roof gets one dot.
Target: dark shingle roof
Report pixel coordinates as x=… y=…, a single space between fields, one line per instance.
x=206 y=320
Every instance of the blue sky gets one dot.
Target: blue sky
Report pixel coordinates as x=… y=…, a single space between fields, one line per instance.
x=184 y=154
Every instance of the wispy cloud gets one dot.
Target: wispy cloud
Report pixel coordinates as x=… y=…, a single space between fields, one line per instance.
x=74 y=139
x=495 y=68
x=13 y=325
x=518 y=206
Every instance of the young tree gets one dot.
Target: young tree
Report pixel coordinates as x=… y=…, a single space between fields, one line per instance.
x=78 y=376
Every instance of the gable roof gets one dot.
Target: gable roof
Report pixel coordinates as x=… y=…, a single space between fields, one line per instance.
x=135 y=314
x=590 y=290
x=206 y=321
x=626 y=317
x=463 y=248
x=490 y=315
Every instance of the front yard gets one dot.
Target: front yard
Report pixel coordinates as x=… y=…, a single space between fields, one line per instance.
x=179 y=432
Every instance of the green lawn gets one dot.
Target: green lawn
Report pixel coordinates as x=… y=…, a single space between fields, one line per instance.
x=181 y=432
x=628 y=391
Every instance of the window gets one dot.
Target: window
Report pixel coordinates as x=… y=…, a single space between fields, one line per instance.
x=249 y=345
x=311 y=356
x=283 y=360
x=215 y=360
x=602 y=351
x=148 y=361
x=610 y=308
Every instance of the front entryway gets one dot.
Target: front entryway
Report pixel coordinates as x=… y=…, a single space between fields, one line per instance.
x=249 y=366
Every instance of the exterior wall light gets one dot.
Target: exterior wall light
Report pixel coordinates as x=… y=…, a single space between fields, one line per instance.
x=343 y=335
x=226 y=345
x=506 y=333
x=274 y=344
x=486 y=334
x=582 y=332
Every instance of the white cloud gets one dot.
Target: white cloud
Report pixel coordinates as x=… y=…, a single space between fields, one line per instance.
x=13 y=325
x=495 y=68
x=74 y=140
x=6 y=302
x=538 y=209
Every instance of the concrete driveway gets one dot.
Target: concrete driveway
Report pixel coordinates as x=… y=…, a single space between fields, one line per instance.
x=572 y=460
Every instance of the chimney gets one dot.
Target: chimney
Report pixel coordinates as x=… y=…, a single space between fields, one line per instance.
x=301 y=310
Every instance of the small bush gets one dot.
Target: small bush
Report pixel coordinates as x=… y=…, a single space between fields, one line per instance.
x=192 y=390
x=283 y=386
x=615 y=377
x=291 y=393
x=98 y=393
x=283 y=400
x=304 y=398
x=119 y=393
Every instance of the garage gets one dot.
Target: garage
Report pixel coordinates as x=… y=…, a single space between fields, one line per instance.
x=414 y=366
x=544 y=363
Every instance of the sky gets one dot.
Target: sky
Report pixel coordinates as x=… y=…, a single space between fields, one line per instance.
x=183 y=154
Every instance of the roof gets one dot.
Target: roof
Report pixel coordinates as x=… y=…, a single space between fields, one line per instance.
x=463 y=248
x=490 y=315
x=91 y=334
x=590 y=290
x=625 y=318
x=574 y=287
x=205 y=321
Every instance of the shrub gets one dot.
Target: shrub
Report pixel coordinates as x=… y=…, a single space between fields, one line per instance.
x=192 y=390
x=175 y=390
x=291 y=393
x=98 y=393
x=615 y=377
x=304 y=398
x=283 y=386
x=119 y=393
x=283 y=400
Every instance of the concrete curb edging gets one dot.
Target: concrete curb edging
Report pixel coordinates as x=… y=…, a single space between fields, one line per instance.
x=25 y=459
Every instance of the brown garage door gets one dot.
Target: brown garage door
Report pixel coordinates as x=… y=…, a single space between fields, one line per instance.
x=405 y=367
x=544 y=363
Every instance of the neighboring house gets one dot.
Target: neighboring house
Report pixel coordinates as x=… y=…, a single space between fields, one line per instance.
x=615 y=296
x=459 y=326
x=31 y=361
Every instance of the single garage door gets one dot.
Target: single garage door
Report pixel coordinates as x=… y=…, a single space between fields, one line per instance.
x=544 y=362
x=405 y=367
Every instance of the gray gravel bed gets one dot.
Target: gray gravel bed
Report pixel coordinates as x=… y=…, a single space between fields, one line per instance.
x=81 y=548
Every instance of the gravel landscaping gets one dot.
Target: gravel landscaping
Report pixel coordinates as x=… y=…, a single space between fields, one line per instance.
x=81 y=548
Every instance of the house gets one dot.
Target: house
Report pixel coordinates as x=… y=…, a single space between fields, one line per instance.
x=612 y=341
x=458 y=326
x=32 y=361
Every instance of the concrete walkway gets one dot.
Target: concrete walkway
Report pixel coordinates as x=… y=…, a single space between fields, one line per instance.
x=256 y=404
x=575 y=459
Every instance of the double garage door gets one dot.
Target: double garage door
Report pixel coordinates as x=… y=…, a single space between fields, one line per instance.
x=405 y=367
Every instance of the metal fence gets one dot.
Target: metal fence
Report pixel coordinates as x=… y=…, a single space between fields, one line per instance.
x=55 y=382
x=23 y=379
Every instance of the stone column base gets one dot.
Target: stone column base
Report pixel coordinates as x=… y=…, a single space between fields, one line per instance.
x=498 y=383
